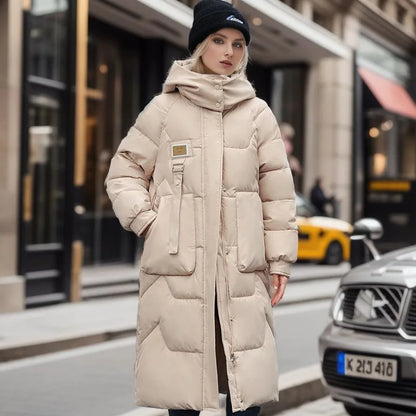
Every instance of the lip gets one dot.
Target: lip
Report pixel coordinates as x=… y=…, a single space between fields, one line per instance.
x=226 y=63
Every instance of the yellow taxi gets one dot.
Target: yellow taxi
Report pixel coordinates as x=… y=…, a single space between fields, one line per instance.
x=322 y=239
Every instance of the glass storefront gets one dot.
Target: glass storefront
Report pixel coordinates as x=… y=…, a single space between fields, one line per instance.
x=45 y=165
x=391 y=144
x=387 y=143
x=288 y=103
x=49 y=31
x=112 y=105
x=46 y=169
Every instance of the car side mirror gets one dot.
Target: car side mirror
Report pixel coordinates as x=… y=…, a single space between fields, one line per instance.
x=362 y=246
x=368 y=228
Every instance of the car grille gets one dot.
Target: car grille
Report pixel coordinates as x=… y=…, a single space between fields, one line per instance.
x=370 y=306
x=403 y=388
x=410 y=321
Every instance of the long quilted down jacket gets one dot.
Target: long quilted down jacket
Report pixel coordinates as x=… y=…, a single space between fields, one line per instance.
x=204 y=177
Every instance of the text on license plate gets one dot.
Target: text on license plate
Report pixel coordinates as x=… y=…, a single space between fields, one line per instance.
x=376 y=368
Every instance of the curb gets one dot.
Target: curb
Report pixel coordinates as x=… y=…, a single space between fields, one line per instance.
x=56 y=345
x=296 y=388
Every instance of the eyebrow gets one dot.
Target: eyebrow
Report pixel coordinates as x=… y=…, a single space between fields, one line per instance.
x=226 y=37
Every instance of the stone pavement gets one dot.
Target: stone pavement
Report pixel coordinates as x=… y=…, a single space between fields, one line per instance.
x=322 y=407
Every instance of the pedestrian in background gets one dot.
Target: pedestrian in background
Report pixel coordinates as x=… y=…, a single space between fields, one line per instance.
x=288 y=133
x=204 y=177
x=319 y=199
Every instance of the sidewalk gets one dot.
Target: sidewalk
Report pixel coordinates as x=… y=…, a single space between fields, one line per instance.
x=306 y=272
x=322 y=407
x=68 y=325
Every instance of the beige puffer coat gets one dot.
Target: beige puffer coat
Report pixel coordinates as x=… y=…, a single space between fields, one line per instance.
x=204 y=176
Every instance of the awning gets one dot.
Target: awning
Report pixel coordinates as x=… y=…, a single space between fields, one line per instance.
x=391 y=96
x=287 y=36
x=284 y=36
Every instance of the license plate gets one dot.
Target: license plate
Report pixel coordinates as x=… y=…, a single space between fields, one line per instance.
x=375 y=368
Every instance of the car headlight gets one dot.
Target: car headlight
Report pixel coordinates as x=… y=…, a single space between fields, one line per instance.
x=335 y=310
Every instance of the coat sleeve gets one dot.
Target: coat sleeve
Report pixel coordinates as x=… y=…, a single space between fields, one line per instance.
x=131 y=169
x=277 y=195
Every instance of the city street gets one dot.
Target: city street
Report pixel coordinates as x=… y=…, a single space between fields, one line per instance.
x=158 y=158
x=98 y=380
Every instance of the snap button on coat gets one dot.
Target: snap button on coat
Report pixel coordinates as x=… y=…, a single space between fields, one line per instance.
x=204 y=247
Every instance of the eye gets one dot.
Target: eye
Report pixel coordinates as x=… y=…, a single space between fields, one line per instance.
x=218 y=41
x=238 y=45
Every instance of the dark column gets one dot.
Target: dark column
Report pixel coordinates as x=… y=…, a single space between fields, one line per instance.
x=261 y=78
x=358 y=168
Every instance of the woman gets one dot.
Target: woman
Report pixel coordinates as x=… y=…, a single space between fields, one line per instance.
x=204 y=177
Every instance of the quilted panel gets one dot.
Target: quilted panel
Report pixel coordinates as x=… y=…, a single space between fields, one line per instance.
x=166 y=378
x=151 y=308
x=188 y=287
x=241 y=168
x=182 y=325
x=241 y=284
x=248 y=323
x=256 y=372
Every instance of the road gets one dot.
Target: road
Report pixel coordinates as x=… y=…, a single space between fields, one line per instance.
x=98 y=380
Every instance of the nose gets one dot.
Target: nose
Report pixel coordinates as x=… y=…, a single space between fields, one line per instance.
x=229 y=50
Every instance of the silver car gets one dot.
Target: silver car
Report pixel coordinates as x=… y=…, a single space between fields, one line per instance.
x=368 y=352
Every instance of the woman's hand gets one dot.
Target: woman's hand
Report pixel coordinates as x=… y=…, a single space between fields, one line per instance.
x=279 y=284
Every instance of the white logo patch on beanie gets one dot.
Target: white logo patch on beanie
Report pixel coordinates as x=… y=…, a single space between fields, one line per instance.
x=234 y=19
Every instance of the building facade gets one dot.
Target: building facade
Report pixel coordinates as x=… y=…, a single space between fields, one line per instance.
x=75 y=74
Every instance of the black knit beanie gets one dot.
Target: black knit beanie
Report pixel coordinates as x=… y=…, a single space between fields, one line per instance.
x=213 y=15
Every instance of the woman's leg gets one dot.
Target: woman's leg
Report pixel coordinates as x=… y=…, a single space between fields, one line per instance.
x=251 y=411
x=185 y=412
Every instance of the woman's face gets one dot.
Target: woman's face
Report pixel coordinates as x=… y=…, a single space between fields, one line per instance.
x=224 y=53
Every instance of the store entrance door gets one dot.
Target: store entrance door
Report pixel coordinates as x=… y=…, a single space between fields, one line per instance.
x=46 y=159
x=112 y=104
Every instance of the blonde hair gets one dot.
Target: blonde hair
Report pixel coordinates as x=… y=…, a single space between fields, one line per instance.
x=196 y=57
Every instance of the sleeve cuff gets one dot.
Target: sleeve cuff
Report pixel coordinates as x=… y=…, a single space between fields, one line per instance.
x=142 y=221
x=279 y=267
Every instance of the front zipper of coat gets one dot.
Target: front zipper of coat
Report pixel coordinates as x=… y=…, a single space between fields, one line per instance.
x=224 y=266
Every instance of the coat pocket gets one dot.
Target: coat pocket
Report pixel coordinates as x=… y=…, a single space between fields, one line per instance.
x=250 y=233
x=155 y=257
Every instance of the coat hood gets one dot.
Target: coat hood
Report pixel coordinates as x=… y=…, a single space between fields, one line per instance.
x=214 y=92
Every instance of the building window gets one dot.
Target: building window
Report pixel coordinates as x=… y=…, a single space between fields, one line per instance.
x=291 y=3
x=381 y=59
x=47 y=35
x=382 y=4
x=401 y=14
x=322 y=20
x=190 y=3
x=391 y=145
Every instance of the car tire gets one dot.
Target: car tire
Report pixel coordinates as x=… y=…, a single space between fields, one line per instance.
x=334 y=254
x=356 y=411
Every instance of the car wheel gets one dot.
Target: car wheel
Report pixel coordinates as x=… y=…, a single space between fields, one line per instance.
x=356 y=411
x=333 y=254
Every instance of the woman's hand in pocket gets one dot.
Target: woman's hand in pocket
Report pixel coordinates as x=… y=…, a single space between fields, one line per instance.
x=279 y=282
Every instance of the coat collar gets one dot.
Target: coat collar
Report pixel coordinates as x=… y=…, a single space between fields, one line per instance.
x=214 y=92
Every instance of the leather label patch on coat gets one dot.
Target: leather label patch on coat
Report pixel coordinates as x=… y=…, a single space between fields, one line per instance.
x=180 y=150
